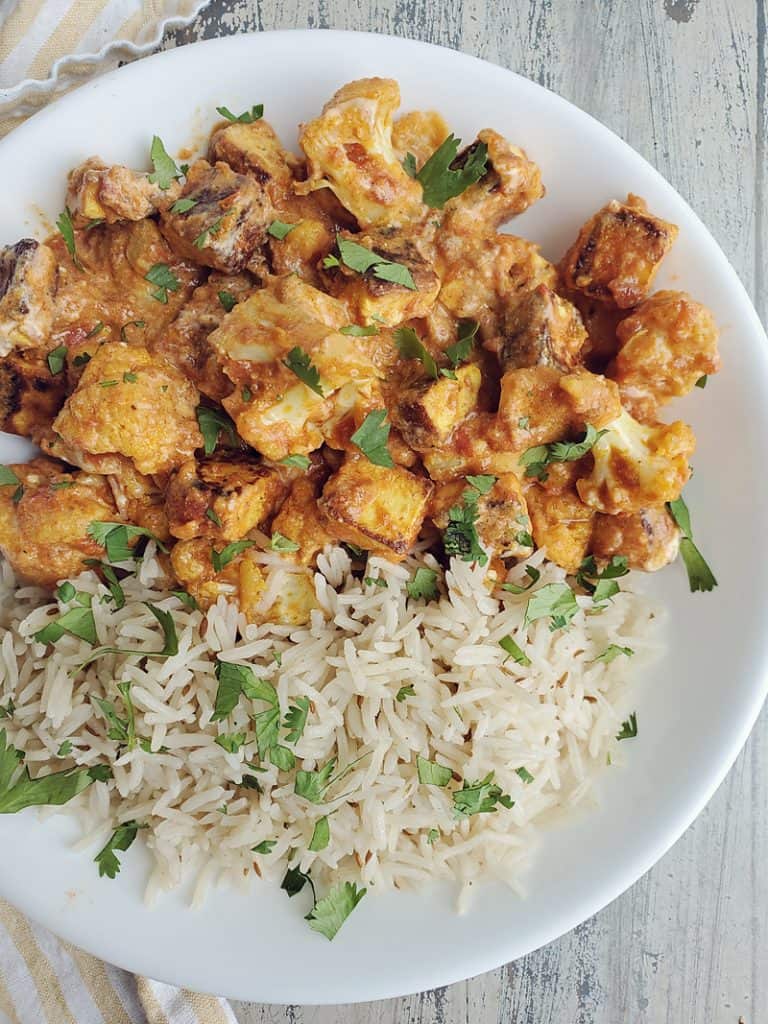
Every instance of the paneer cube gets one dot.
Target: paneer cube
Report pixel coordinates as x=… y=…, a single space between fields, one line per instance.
x=222 y=497
x=30 y=395
x=476 y=446
x=667 y=344
x=227 y=223
x=617 y=253
x=132 y=404
x=649 y=539
x=27 y=289
x=561 y=523
x=301 y=250
x=378 y=508
x=96 y=192
x=256 y=151
x=371 y=297
x=502 y=515
x=300 y=519
x=541 y=329
x=427 y=412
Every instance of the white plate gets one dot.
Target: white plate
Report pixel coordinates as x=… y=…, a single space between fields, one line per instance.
x=694 y=712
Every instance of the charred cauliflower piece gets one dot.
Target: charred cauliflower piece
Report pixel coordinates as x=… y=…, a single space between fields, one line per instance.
x=637 y=466
x=502 y=515
x=27 y=289
x=349 y=150
x=300 y=519
x=367 y=295
x=649 y=540
x=255 y=151
x=221 y=497
x=510 y=185
x=44 y=520
x=617 y=253
x=98 y=192
x=378 y=508
x=227 y=223
x=132 y=404
x=667 y=344
x=185 y=342
x=561 y=523
x=30 y=395
x=426 y=412
x=541 y=329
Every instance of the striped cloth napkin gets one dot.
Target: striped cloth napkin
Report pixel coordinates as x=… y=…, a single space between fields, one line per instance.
x=46 y=47
x=45 y=981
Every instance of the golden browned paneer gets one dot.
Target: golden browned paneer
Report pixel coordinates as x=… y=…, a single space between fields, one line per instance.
x=617 y=253
x=242 y=581
x=44 y=520
x=227 y=223
x=637 y=466
x=131 y=403
x=27 y=289
x=30 y=395
x=256 y=151
x=112 y=288
x=368 y=296
x=98 y=192
x=561 y=523
x=482 y=274
x=476 y=446
x=427 y=411
x=502 y=514
x=274 y=410
x=301 y=250
x=667 y=344
x=222 y=497
x=300 y=519
x=419 y=132
x=540 y=405
x=649 y=540
x=349 y=150
x=378 y=508
x=510 y=185
x=185 y=342
x=541 y=329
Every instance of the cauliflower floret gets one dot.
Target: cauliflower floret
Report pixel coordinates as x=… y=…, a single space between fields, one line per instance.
x=349 y=150
x=668 y=343
x=637 y=466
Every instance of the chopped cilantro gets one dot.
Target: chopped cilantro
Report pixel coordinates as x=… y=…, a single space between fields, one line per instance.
x=483 y=484
x=329 y=913
x=612 y=651
x=554 y=600
x=20 y=791
x=231 y=741
x=299 y=362
x=280 y=543
x=120 y=840
x=409 y=347
x=247 y=117
x=700 y=576
x=296 y=719
x=360 y=259
x=321 y=835
x=628 y=728
x=220 y=559
x=513 y=651
x=67 y=230
x=265 y=846
x=114 y=537
x=371 y=438
x=164 y=170
x=212 y=514
x=279 y=229
x=541 y=455
x=356 y=331
x=210 y=232
x=227 y=300
x=432 y=774
x=440 y=181
x=533 y=574
x=479 y=798
x=525 y=775
x=211 y=423
x=423 y=586
x=459 y=352
x=296 y=461
x=702 y=382
x=164 y=280
x=56 y=359
x=404 y=692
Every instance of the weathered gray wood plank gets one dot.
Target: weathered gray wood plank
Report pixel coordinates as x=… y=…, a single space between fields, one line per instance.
x=684 y=82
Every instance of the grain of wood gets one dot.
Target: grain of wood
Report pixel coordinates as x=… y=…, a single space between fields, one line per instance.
x=685 y=83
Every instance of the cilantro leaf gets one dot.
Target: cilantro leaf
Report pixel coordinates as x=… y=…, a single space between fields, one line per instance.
x=554 y=600
x=265 y=846
x=114 y=537
x=247 y=117
x=409 y=165
x=67 y=231
x=296 y=461
x=440 y=182
x=628 y=728
x=267 y=725
x=186 y=599
x=483 y=483
x=700 y=576
x=165 y=170
x=299 y=362
x=313 y=785
x=525 y=775
x=227 y=300
x=65 y=748
x=295 y=880
x=221 y=559
x=432 y=774
x=231 y=741
x=282 y=758
x=459 y=352
x=432 y=836
x=371 y=438
x=356 y=331
x=460 y=538
x=111 y=580
x=374 y=581
x=479 y=798
x=513 y=651
x=120 y=840
x=296 y=719
x=233 y=679
x=168 y=626
x=423 y=586
x=123 y=333
x=213 y=516
x=164 y=279
x=612 y=651
x=702 y=382
x=360 y=259
x=7 y=477
x=77 y=622
x=57 y=359
x=605 y=590
x=409 y=347
x=321 y=835
x=54 y=789
x=329 y=914
x=8 y=710
x=537 y=458
x=533 y=574
x=279 y=229
x=211 y=231
x=183 y=205
x=211 y=423
x=281 y=543
x=404 y=692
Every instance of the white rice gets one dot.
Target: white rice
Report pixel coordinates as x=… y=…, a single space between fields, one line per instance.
x=472 y=710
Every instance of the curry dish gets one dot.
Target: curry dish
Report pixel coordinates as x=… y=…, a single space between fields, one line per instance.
x=259 y=353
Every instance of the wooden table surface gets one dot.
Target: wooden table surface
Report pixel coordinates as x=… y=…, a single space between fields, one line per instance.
x=684 y=82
